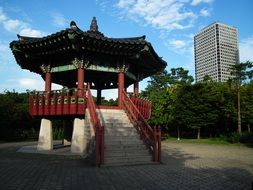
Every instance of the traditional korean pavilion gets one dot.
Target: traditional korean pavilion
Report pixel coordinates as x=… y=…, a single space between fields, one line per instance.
x=84 y=60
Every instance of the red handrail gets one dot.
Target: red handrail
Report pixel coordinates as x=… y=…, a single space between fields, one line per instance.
x=151 y=136
x=144 y=106
x=98 y=129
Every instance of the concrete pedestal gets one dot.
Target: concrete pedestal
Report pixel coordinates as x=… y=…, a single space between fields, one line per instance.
x=45 y=141
x=78 y=138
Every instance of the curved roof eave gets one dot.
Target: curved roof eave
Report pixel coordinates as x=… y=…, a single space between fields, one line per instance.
x=67 y=36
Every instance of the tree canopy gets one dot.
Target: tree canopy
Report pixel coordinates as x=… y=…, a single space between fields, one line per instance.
x=207 y=106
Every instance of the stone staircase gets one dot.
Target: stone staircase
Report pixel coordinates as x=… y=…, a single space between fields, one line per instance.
x=122 y=143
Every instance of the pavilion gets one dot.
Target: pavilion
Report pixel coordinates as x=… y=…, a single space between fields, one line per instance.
x=83 y=60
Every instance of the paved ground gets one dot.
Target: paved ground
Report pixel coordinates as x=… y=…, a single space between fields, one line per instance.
x=185 y=166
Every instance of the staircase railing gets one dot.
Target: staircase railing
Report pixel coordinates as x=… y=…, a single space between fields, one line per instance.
x=144 y=106
x=151 y=136
x=98 y=129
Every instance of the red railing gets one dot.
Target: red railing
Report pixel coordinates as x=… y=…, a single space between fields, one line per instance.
x=58 y=102
x=98 y=129
x=151 y=136
x=144 y=106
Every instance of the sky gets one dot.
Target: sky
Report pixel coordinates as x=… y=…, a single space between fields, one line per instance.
x=169 y=25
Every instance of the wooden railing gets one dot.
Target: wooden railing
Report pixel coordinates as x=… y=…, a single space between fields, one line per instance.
x=144 y=106
x=98 y=129
x=151 y=136
x=57 y=102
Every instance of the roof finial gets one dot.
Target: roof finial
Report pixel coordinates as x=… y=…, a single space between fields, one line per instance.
x=93 y=25
x=73 y=25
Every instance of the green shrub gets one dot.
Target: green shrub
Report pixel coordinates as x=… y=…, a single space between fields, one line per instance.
x=247 y=138
x=234 y=137
x=57 y=133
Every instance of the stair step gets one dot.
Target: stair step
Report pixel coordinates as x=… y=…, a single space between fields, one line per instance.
x=122 y=137
x=120 y=128
x=107 y=114
x=112 y=142
x=130 y=163
x=115 y=124
x=110 y=111
x=110 y=153
x=114 y=120
x=110 y=120
x=113 y=115
x=124 y=147
x=127 y=159
x=112 y=134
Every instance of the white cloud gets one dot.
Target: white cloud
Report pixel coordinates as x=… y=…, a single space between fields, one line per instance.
x=34 y=83
x=31 y=32
x=183 y=46
x=3 y=17
x=108 y=94
x=124 y=3
x=59 y=20
x=12 y=25
x=246 y=49
x=29 y=83
x=3 y=47
x=197 y=2
x=162 y=14
x=204 y=12
x=18 y=26
x=177 y=43
x=6 y=56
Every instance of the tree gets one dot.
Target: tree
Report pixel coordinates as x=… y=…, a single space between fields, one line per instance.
x=14 y=115
x=162 y=91
x=247 y=104
x=179 y=76
x=241 y=72
x=157 y=92
x=196 y=107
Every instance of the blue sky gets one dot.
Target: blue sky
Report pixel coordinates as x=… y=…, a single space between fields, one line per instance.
x=168 y=24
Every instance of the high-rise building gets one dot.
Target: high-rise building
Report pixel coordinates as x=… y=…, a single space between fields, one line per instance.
x=216 y=50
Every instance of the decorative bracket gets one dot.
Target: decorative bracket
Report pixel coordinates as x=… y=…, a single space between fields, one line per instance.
x=123 y=67
x=81 y=63
x=45 y=68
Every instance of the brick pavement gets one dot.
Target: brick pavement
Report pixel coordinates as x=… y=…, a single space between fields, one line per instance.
x=185 y=166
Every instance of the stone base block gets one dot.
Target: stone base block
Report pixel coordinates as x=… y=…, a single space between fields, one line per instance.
x=65 y=142
x=45 y=141
x=78 y=138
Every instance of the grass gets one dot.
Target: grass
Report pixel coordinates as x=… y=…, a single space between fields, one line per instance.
x=215 y=141
x=234 y=138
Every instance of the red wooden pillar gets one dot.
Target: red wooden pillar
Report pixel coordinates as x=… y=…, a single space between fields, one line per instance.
x=121 y=82
x=136 y=88
x=80 y=82
x=45 y=101
x=48 y=83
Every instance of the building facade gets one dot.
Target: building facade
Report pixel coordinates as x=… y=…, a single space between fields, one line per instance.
x=216 y=50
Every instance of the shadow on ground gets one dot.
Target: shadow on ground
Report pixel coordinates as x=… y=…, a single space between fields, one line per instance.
x=178 y=171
